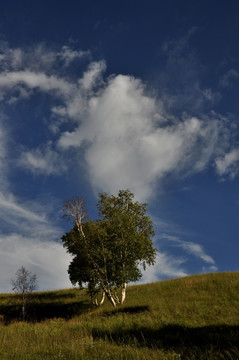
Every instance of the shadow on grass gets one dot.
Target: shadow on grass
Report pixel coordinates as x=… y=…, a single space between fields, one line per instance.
x=43 y=311
x=48 y=296
x=181 y=339
x=57 y=309
x=127 y=310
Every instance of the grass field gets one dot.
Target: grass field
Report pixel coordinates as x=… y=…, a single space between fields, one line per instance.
x=195 y=317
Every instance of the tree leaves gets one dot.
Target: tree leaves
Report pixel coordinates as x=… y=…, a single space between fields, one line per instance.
x=109 y=252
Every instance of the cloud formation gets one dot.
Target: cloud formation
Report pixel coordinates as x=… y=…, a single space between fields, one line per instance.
x=129 y=142
x=45 y=162
x=228 y=165
x=124 y=134
x=166 y=266
x=3 y=155
x=192 y=249
x=29 y=238
x=228 y=78
x=112 y=128
x=47 y=259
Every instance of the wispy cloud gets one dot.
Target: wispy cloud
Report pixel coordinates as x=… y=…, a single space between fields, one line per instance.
x=67 y=54
x=191 y=248
x=38 y=57
x=125 y=146
x=36 y=80
x=47 y=259
x=29 y=238
x=3 y=155
x=45 y=162
x=93 y=73
x=125 y=136
x=180 y=81
x=113 y=128
x=228 y=165
x=9 y=205
x=166 y=266
x=228 y=78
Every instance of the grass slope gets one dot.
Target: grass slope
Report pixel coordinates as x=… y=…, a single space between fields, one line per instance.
x=194 y=317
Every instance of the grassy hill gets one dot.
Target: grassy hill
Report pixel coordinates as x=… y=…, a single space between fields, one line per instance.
x=195 y=317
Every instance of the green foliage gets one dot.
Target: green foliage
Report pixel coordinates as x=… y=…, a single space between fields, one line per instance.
x=191 y=318
x=109 y=252
x=129 y=230
x=81 y=268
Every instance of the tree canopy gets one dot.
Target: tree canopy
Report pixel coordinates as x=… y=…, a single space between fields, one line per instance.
x=109 y=252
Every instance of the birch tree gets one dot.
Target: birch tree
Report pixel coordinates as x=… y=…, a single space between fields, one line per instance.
x=109 y=252
x=130 y=231
x=88 y=265
x=86 y=242
x=24 y=284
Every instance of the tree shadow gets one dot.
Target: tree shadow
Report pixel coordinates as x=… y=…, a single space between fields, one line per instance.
x=52 y=296
x=36 y=312
x=57 y=309
x=222 y=338
x=127 y=310
x=6 y=296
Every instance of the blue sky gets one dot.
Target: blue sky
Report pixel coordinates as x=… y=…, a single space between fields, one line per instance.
x=107 y=95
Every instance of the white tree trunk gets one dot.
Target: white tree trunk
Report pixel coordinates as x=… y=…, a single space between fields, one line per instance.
x=110 y=297
x=102 y=299
x=105 y=291
x=123 y=293
x=95 y=302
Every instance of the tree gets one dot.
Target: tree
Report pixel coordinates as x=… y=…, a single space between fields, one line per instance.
x=24 y=284
x=130 y=231
x=109 y=253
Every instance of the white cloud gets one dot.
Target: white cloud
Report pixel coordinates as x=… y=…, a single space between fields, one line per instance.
x=38 y=57
x=43 y=82
x=68 y=55
x=45 y=162
x=166 y=266
x=20 y=93
x=27 y=235
x=228 y=78
x=31 y=240
x=228 y=165
x=197 y=250
x=207 y=269
x=29 y=219
x=93 y=74
x=210 y=95
x=191 y=248
x=47 y=259
x=10 y=208
x=3 y=155
x=127 y=147
x=33 y=57
x=125 y=136
x=10 y=58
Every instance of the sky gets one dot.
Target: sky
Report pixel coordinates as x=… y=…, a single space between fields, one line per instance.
x=102 y=96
